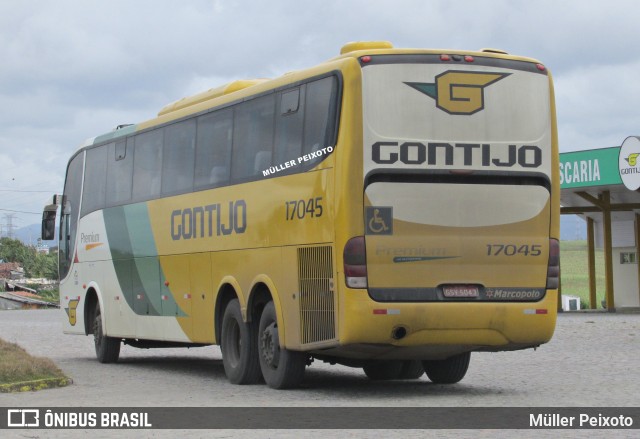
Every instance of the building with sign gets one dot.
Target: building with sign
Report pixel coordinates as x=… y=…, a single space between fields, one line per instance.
x=602 y=186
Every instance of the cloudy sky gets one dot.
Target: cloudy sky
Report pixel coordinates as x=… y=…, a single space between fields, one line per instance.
x=73 y=69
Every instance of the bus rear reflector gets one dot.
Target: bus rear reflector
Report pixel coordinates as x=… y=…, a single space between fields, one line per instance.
x=553 y=270
x=355 y=263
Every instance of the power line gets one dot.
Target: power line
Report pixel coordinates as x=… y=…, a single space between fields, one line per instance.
x=23 y=191
x=21 y=211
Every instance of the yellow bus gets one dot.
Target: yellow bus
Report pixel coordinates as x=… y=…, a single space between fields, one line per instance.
x=389 y=209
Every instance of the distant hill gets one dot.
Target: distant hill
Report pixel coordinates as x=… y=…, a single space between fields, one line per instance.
x=29 y=235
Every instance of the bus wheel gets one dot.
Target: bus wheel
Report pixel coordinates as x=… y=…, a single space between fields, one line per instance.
x=447 y=371
x=107 y=348
x=239 y=347
x=281 y=368
x=411 y=370
x=380 y=370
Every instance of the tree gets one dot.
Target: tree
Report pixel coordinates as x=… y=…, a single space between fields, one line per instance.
x=12 y=250
x=35 y=264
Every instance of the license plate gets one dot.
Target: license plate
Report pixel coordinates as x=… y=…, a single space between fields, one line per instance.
x=464 y=291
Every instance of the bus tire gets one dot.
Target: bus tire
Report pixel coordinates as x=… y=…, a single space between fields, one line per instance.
x=448 y=371
x=411 y=370
x=382 y=370
x=281 y=368
x=239 y=347
x=107 y=348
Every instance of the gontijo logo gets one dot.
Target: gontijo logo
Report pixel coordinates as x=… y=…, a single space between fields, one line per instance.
x=628 y=163
x=632 y=159
x=459 y=92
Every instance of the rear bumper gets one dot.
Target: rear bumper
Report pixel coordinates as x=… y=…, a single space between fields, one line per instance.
x=369 y=329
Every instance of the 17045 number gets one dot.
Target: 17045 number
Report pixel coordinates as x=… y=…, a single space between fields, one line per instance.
x=514 y=250
x=300 y=209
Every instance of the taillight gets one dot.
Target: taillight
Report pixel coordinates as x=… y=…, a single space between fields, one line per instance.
x=553 y=270
x=355 y=263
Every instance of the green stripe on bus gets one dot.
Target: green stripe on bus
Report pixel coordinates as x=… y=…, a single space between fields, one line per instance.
x=136 y=262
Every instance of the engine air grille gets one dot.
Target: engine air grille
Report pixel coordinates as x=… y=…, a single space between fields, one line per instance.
x=317 y=301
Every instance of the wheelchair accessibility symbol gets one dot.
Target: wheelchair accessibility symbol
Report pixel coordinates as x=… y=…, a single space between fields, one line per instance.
x=379 y=220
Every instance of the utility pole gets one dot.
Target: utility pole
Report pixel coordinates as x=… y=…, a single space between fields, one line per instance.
x=9 y=224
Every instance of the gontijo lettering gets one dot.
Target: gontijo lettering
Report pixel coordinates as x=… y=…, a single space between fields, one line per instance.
x=416 y=153
x=208 y=221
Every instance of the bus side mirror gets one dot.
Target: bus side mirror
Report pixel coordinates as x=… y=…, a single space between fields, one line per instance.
x=48 y=225
x=48 y=232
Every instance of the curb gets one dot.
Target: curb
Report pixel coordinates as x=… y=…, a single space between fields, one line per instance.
x=33 y=386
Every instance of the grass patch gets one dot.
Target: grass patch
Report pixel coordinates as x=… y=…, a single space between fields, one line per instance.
x=19 y=371
x=574 y=264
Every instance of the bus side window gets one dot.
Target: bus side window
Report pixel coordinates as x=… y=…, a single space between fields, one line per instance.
x=119 y=172
x=95 y=179
x=289 y=123
x=320 y=114
x=178 y=157
x=147 y=165
x=253 y=134
x=213 y=149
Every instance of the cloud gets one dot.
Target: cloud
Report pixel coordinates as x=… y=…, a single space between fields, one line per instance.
x=597 y=105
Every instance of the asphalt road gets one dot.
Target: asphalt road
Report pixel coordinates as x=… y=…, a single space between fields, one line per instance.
x=592 y=360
